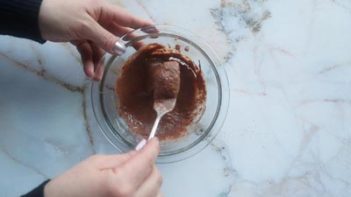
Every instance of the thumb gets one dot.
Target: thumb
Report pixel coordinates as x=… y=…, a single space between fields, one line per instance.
x=101 y=37
x=152 y=147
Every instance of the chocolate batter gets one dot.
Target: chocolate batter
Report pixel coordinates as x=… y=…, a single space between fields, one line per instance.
x=164 y=79
x=141 y=80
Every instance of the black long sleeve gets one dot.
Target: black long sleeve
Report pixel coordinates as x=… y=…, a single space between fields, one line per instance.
x=38 y=191
x=20 y=18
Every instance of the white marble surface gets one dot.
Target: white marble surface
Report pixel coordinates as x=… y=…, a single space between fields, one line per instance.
x=288 y=131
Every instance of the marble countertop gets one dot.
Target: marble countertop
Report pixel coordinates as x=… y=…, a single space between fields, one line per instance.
x=288 y=129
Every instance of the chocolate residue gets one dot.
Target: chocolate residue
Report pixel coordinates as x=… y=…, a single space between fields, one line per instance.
x=136 y=100
x=187 y=49
x=177 y=47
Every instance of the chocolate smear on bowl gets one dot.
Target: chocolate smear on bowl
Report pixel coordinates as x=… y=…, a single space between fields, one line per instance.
x=141 y=81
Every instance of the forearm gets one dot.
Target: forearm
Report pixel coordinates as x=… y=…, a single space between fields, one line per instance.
x=20 y=18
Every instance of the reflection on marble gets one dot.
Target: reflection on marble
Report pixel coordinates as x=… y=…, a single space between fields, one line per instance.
x=287 y=132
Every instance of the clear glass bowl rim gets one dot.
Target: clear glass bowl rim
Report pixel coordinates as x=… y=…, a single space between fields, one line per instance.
x=221 y=75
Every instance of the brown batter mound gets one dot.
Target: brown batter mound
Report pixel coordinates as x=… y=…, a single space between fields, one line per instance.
x=164 y=79
x=154 y=71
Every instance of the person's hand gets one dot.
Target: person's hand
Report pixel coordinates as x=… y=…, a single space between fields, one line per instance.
x=128 y=175
x=92 y=25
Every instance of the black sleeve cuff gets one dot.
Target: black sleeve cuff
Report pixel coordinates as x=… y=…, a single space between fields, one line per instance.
x=20 y=18
x=38 y=191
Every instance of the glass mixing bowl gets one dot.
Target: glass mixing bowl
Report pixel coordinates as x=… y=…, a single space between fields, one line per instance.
x=200 y=134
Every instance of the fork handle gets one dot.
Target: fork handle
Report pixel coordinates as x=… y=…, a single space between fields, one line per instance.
x=152 y=133
x=154 y=127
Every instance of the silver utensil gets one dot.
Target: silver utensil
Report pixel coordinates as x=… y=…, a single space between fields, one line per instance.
x=161 y=107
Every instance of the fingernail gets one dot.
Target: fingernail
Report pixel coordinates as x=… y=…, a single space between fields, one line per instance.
x=150 y=29
x=119 y=48
x=96 y=78
x=140 y=145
